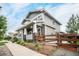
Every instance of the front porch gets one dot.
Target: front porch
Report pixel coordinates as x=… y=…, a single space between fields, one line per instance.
x=29 y=31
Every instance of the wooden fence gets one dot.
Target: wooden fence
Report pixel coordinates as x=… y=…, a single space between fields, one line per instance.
x=70 y=38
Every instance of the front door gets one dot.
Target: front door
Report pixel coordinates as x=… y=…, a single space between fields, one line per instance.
x=24 y=37
x=40 y=30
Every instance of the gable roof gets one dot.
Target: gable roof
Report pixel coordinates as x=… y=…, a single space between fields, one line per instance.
x=42 y=11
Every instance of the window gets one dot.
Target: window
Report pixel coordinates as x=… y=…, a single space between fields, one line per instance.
x=29 y=30
x=40 y=19
x=35 y=19
x=53 y=22
x=39 y=16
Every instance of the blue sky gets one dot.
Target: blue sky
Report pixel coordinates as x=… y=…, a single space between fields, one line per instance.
x=16 y=12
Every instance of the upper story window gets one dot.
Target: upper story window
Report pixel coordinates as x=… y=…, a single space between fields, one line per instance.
x=35 y=19
x=53 y=22
x=38 y=18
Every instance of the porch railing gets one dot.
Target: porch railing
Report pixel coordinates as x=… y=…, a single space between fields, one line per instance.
x=29 y=37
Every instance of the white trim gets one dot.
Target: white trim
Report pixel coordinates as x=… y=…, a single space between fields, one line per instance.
x=35 y=28
x=36 y=17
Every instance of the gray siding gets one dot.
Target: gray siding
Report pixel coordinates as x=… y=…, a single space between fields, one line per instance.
x=50 y=22
x=57 y=26
x=49 y=30
x=33 y=15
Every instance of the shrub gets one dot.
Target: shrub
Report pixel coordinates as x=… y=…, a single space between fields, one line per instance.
x=29 y=41
x=21 y=42
x=8 y=38
x=30 y=45
x=15 y=39
x=18 y=42
x=38 y=47
x=77 y=42
x=2 y=43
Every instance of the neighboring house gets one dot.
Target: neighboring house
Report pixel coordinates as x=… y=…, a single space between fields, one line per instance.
x=38 y=22
x=12 y=34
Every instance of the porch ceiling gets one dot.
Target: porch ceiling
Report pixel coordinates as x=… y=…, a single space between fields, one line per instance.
x=25 y=26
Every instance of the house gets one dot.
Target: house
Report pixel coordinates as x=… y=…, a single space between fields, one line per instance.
x=12 y=34
x=38 y=22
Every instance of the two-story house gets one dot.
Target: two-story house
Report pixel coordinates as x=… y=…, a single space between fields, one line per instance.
x=38 y=22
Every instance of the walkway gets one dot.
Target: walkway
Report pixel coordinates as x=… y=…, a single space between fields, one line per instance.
x=18 y=50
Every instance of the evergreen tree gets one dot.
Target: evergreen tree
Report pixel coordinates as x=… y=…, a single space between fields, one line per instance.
x=71 y=25
x=77 y=24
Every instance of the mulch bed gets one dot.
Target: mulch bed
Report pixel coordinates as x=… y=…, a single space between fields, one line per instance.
x=68 y=47
x=46 y=49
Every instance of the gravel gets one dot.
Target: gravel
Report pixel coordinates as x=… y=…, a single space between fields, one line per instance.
x=4 y=51
x=64 y=52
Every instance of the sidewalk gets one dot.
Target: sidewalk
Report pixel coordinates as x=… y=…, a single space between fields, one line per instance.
x=18 y=50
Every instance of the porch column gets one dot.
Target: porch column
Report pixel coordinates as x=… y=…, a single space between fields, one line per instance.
x=34 y=31
x=25 y=31
x=35 y=28
x=21 y=34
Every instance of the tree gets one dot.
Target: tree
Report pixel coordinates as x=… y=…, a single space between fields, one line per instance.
x=77 y=24
x=3 y=26
x=73 y=24
x=7 y=37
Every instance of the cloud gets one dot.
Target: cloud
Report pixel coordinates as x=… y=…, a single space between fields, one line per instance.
x=10 y=10
x=63 y=12
x=19 y=6
x=16 y=12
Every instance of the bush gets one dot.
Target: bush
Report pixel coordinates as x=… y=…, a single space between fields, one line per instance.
x=18 y=42
x=21 y=42
x=2 y=43
x=15 y=39
x=38 y=47
x=77 y=42
x=29 y=41
x=8 y=38
x=30 y=45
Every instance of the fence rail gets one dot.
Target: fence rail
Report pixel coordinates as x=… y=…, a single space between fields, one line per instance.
x=73 y=38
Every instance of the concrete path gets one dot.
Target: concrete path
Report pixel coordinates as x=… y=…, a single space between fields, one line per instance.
x=18 y=50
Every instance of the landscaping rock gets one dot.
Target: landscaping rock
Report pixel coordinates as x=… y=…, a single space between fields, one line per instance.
x=64 y=52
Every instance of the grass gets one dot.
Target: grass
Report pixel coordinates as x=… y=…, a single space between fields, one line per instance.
x=77 y=42
x=2 y=42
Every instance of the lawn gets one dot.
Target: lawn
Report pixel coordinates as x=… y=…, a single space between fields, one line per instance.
x=77 y=42
x=2 y=42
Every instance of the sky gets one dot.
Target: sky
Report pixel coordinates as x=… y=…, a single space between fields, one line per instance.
x=16 y=12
